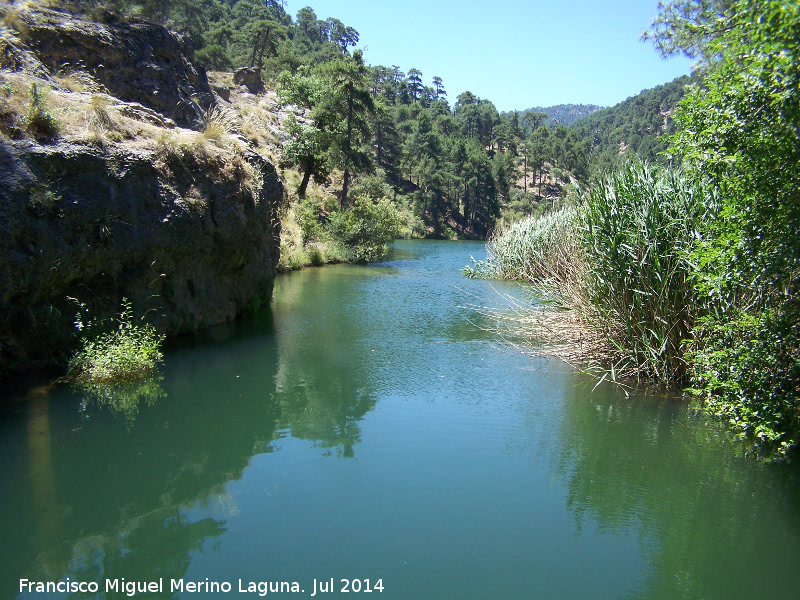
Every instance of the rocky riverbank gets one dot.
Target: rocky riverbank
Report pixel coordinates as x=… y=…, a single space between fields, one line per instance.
x=121 y=176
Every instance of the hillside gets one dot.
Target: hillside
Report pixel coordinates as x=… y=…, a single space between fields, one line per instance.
x=631 y=127
x=564 y=114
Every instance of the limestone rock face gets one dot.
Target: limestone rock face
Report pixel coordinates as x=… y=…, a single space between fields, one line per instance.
x=185 y=227
x=136 y=61
x=189 y=242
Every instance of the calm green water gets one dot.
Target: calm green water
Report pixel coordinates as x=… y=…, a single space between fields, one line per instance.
x=367 y=428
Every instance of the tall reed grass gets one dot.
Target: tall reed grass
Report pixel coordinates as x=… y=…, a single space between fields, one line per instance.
x=637 y=229
x=620 y=261
x=535 y=248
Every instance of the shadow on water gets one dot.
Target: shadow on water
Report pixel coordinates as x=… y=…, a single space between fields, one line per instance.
x=96 y=495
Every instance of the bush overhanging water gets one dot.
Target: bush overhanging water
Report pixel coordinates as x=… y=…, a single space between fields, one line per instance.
x=128 y=352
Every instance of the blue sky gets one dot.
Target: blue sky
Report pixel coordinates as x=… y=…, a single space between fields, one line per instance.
x=515 y=53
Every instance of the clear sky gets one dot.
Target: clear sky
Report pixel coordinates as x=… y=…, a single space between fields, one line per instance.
x=516 y=53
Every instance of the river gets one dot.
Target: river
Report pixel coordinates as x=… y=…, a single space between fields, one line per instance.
x=367 y=427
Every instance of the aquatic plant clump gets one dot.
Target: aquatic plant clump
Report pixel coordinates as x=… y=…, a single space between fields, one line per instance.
x=541 y=248
x=536 y=248
x=638 y=229
x=620 y=262
x=129 y=352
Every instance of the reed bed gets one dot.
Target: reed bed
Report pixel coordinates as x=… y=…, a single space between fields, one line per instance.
x=638 y=229
x=614 y=274
x=536 y=248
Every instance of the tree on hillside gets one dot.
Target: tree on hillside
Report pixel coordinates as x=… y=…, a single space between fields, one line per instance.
x=387 y=143
x=340 y=107
x=532 y=120
x=344 y=109
x=309 y=143
x=308 y=24
x=341 y=34
x=438 y=85
x=414 y=82
x=256 y=33
x=477 y=117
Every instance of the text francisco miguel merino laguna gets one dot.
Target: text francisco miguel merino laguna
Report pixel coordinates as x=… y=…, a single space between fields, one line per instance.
x=131 y=588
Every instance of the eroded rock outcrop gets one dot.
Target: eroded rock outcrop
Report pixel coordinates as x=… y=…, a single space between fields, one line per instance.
x=124 y=204
x=249 y=77
x=135 y=61
x=191 y=242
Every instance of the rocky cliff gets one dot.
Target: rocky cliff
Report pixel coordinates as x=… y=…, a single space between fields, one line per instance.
x=114 y=198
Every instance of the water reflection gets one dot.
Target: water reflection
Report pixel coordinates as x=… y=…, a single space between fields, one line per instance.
x=108 y=497
x=703 y=513
x=323 y=383
x=116 y=473
x=123 y=398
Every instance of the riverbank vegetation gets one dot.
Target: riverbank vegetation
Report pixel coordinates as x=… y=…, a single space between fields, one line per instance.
x=126 y=352
x=690 y=276
x=666 y=225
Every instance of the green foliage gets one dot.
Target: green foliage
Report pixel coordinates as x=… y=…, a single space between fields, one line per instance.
x=638 y=228
x=740 y=128
x=129 y=352
x=366 y=228
x=746 y=370
x=43 y=202
x=633 y=127
x=40 y=121
x=307 y=214
x=690 y=26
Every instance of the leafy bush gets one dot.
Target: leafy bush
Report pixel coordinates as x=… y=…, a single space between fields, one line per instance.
x=366 y=228
x=43 y=202
x=739 y=128
x=746 y=371
x=307 y=214
x=129 y=352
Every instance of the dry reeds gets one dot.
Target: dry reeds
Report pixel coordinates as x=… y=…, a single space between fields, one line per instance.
x=218 y=123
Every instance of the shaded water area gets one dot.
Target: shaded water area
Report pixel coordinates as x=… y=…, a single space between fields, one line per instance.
x=367 y=428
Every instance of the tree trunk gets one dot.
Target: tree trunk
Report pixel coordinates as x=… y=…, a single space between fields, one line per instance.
x=346 y=182
x=345 y=186
x=379 y=142
x=255 y=50
x=301 y=191
x=525 y=176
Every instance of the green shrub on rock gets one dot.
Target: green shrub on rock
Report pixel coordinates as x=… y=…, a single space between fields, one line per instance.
x=40 y=121
x=128 y=352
